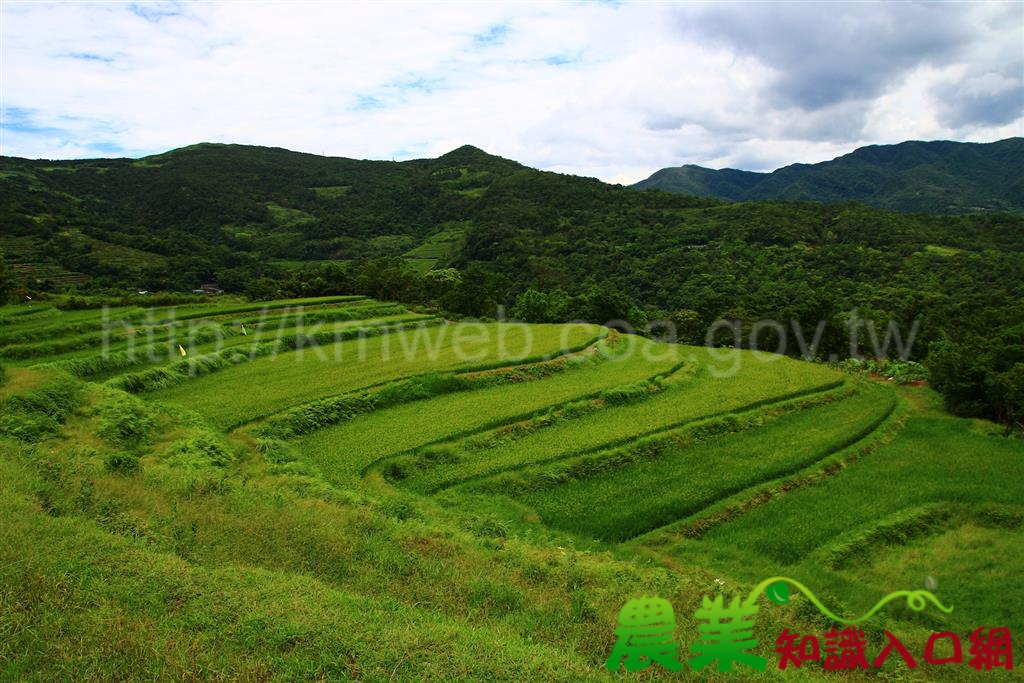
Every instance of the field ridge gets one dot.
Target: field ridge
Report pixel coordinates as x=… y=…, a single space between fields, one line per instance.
x=627 y=440
x=736 y=505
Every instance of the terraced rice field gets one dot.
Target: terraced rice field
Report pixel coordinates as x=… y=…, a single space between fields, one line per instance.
x=278 y=382
x=536 y=438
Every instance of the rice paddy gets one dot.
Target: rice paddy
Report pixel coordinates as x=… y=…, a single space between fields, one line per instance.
x=498 y=481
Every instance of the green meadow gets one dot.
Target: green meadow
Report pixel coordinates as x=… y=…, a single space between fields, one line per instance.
x=352 y=490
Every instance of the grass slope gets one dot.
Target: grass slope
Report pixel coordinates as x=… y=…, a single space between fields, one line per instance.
x=140 y=539
x=274 y=383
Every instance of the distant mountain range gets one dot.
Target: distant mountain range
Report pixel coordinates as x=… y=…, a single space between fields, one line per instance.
x=929 y=177
x=242 y=216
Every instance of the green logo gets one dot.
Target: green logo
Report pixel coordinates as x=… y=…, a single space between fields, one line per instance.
x=646 y=631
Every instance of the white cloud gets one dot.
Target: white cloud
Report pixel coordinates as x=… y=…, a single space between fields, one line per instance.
x=610 y=90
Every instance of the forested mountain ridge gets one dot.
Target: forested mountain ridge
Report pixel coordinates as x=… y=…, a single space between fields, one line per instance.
x=230 y=213
x=469 y=232
x=930 y=177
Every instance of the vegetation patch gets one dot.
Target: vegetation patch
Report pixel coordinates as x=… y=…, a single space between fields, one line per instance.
x=125 y=420
x=35 y=415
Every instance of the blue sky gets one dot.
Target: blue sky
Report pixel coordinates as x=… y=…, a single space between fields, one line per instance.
x=613 y=90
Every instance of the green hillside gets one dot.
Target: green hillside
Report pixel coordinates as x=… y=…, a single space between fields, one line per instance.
x=474 y=234
x=339 y=488
x=931 y=177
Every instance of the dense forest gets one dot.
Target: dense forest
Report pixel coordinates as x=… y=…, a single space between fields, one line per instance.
x=469 y=233
x=934 y=177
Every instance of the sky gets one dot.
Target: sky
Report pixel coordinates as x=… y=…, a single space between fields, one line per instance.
x=606 y=89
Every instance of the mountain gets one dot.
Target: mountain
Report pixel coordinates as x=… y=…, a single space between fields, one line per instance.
x=929 y=177
x=173 y=220
x=268 y=221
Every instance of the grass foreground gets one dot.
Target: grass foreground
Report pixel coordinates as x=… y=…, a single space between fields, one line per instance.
x=473 y=514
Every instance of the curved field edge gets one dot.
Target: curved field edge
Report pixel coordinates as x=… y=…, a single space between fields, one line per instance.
x=189 y=368
x=87 y=318
x=622 y=442
x=732 y=507
x=143 y=339
x=918 y=521
x=694 y=466
x=325 y=412
x=345 y=451
x=206 y=571
x=281 y=381
x=108 y=365
x=304 y=418
x=930 y=460
x=519 y=427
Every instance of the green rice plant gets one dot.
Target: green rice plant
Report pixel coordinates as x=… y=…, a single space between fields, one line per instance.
x=609 y=496
x=90 y=364
x=291 y=379
x=149 y=338
x=15 y=315
x=188 y=312
x=188 y=368
x=88 y=321
x=319 y=414
x=346 y=450
x=601 y=426
x=917 y=505
x=62 y=323
x=432 y=385
x=895 y=529
x=931 y=460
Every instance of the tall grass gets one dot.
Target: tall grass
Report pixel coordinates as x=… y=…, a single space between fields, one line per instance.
x=36 y=415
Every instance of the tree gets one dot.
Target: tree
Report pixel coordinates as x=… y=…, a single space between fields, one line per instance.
x=958 y=372
x=607 y=305
x=6 y=280
x=533 y=307
x=689 y=327
x=479 y=294
x=439 y=284
x=1007 y=390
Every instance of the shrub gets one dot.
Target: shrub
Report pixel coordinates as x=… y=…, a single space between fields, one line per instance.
x=34 y=416
x=399 y=509
x=124 y=420
x=28 y=428
x=632 y=392
x=121 y=462
x=275 y=450
x=200 y=451
x=488 y=526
